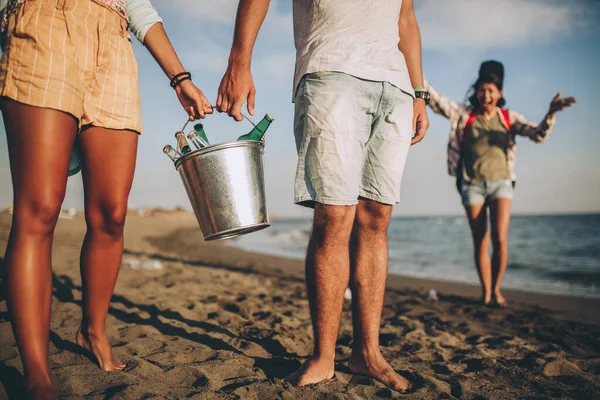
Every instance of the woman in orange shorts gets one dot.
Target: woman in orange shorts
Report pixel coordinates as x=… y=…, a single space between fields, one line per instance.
x=68 y=72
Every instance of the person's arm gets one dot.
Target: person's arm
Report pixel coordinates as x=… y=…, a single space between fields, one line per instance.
x=539 y=133
x=142 y=16
x=410 y=46
x=443 y=105
x=147 y=27
x=237 y=85
x=191 y=98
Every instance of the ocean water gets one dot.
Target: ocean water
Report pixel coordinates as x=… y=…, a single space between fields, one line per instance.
x=557 y=254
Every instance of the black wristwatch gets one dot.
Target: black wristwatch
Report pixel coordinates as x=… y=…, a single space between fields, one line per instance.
x=422 y=94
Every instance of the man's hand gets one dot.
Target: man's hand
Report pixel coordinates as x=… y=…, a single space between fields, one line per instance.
x=193 y=100
x=558 y=103
x=237 y=87
x=420 y=120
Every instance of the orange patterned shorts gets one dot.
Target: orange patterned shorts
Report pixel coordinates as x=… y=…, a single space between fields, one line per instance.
x=73 y=56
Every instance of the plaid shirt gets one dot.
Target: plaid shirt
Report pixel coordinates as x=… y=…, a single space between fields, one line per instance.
x=458 y=115
x=13 y=5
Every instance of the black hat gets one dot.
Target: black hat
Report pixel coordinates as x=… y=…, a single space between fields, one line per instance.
x=492 y=67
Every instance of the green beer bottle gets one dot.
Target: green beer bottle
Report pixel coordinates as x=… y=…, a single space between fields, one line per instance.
x=182 y=145
x=259 y=129
x=199 y=128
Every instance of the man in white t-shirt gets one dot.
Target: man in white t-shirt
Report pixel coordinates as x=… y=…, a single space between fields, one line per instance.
x=359 y=106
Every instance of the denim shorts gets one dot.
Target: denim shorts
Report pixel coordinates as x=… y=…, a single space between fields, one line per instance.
x=352 y=137
x=478 y=192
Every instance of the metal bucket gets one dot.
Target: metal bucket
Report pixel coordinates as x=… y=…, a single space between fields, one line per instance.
x=226 y=186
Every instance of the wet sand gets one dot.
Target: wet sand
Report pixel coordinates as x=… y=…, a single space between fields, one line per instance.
x=217 y=322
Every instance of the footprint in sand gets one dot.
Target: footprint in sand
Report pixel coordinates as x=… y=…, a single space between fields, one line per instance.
x=561 y=368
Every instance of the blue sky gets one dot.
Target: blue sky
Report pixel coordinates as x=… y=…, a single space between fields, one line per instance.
x=546 y=46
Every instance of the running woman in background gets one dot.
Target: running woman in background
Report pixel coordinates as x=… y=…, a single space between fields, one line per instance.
x=481 y=154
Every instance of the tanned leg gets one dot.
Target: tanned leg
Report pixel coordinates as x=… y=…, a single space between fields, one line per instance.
x=477 y=215
x=108 y=166
x=500 y=217
x=39 y=145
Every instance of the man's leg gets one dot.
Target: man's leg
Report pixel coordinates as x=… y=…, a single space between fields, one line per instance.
x=369 y=257
x=327 y=272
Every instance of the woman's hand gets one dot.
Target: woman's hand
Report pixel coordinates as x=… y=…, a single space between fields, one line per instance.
x=193 y=100
x=558 y=103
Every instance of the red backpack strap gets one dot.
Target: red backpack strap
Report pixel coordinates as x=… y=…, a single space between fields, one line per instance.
x=506 y=117
x=470 y=121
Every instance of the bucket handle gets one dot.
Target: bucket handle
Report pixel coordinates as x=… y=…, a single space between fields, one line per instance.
x=262 y=139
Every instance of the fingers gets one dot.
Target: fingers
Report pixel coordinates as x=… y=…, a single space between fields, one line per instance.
x=208 y=108
x=230 y=99
x=222 y=101
x=251 y=100
x=235 y=110
x=203 y=106
x=417 y=138
x=420 y=135
x=236 y=88
x=231 y=104
x=191 y=113
x=199 y=108
x=556 y=97
x=420 y=123
x=560 y=104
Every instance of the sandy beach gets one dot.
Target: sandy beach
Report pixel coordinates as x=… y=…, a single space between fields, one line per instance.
x=216 y=322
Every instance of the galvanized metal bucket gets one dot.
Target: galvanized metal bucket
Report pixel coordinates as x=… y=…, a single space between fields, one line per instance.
x=226 y=186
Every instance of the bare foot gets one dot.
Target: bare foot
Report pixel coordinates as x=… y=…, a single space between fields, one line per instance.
x=486 y=299
x=500 y=300
x=377 y=368
x=97 y=343
x=312 y=371
x=41 y=391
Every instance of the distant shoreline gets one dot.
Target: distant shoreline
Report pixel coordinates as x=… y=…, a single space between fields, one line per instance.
x=578 y=308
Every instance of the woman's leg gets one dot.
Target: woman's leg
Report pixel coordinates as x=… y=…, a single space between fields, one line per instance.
x=477 y=215
x=108 y=165
x=500 y=217
x=39 y=146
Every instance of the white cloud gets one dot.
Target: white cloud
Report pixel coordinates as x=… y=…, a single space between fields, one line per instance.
x=478 y=24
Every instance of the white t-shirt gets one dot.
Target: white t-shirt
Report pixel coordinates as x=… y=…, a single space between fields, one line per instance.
x=356 y=37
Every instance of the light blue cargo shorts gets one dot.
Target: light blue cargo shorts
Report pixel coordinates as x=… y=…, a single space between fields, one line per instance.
x=352 y=137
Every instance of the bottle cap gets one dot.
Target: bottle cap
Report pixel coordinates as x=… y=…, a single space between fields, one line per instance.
x=179 y=133
x=198 y=126
x=167 y=148
x=268 y=116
